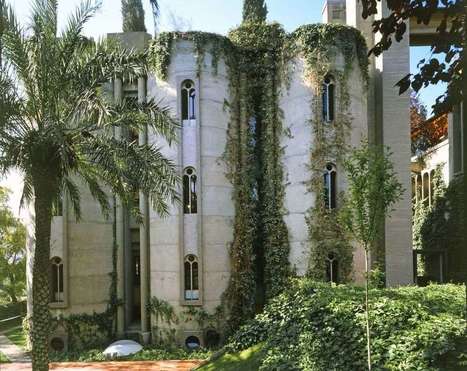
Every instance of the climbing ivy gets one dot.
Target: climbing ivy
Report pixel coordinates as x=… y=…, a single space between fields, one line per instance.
x=321 y=46
x=159 y=54
x=440 y=226
x=260 y=250
x=259 y=58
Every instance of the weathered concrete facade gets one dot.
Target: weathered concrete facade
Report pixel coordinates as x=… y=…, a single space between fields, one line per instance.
x=184 y=259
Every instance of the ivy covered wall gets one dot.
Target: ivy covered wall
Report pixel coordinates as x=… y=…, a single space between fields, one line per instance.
x=260 y=58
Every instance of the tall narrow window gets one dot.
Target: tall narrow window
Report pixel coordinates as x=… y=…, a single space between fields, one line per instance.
x=432 y=186
x=188 y=100
x=332 y=268
x=328 y=98
x=56 y=273
x=189 y=191
x=191 y=278
x=330 y=186
x=419 y=187
x=426 y=188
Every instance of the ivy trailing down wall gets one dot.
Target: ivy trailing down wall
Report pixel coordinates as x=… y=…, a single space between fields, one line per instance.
x=260 y=249
x=259 y=58
x=322 y=46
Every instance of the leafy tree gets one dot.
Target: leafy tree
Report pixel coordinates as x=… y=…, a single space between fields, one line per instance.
x=254 y=11
x=373 y=189
x=133 y=16
x=419 y=142
x=448 y=42
x=57 y=125
x=12 y=252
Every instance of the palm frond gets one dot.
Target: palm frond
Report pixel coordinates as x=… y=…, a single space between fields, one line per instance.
x=71 y=35
x=143 y=168
x=28 y=191
x=72 y=192
x=156 y=12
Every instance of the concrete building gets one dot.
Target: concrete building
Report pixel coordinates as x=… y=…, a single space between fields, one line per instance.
x=184 y=259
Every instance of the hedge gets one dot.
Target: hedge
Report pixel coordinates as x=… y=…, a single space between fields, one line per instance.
x=313 y=326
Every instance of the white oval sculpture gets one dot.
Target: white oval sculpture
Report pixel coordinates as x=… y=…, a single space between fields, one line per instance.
x=122 y=348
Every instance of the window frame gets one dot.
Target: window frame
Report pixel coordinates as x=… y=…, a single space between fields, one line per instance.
x=188 y=93
x=190 y=194
x=328 y=98
x=330 y=186
x=191 y=270
x=57 y=287
x=332 y=268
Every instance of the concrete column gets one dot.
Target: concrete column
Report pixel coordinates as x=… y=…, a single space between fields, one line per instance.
x=144 y=231
x=388 y=123
x=393 y=112
x=120 y=230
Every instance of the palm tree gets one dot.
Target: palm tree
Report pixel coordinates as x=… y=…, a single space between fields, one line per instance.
x=156 y=12
x=56 y=128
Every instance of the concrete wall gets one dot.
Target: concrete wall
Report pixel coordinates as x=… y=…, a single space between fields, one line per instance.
x=215 y=207
x=296 y=104
x=90 y=243
x=388 y=114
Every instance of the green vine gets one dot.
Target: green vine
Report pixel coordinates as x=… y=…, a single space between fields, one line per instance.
x=319 y=45
x=259 y=58
x=159 y=56
x=439 y=227
x=260 y=249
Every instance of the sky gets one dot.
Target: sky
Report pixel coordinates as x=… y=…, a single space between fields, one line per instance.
x=217 y=16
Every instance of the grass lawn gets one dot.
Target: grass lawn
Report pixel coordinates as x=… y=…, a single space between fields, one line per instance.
x=3 y=358
x=14 y=331
x=247 y=360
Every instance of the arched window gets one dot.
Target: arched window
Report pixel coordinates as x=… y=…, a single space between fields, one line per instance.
x=192 y=342
x=332 y=268
x=328 y=98
x=56 y=280
x=188 y=100
x=189 y=191
x=432 y=186
x=419 y=187
x=426 y=187
x=330 y=187
x=191 y=278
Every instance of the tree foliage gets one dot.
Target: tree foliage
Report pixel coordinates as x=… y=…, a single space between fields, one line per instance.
x=255 y=11
x=373 y=189
x=12 y=252
x=56 y=127
x=133 y=16
x=318 y=327
x=447 y=46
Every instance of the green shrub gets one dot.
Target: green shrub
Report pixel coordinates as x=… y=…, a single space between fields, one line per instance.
x=314 y=326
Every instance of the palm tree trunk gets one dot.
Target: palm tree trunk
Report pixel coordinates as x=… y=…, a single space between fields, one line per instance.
x=40 y=278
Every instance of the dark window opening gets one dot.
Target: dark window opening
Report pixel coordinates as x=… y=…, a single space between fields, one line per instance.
x=192 y=342
x=330 y=187
x=328 y=99
x=56 y=280
x=189 y=191
x=188 y=100
x=191 y=278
